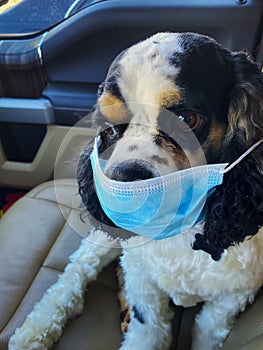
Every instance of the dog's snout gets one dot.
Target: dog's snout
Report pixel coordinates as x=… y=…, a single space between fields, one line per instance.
x=131 y=170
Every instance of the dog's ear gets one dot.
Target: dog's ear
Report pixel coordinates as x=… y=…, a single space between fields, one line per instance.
x=246 y=102
x=87 y=190
x=235 y=209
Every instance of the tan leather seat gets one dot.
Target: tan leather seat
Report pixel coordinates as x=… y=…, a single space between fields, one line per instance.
x=35 y=243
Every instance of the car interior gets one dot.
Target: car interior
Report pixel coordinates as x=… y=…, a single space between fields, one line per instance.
x=48 y=87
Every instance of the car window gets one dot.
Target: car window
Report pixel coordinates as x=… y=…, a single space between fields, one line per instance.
x=33 y=16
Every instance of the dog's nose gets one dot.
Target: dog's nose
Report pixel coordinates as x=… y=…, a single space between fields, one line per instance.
x=131 y=170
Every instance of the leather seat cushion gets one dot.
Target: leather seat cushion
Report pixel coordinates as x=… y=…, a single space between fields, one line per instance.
x=35 y=243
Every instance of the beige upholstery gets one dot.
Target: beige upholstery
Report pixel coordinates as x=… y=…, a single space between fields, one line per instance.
x=247 y=333
x=35 y=243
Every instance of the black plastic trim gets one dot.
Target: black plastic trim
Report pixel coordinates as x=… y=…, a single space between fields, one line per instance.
x=71 y=102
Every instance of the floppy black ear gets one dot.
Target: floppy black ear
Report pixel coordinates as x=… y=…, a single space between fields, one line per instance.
x=87 y=191
x=235 y=209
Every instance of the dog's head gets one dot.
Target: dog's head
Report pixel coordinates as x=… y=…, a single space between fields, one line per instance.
x=211 y=93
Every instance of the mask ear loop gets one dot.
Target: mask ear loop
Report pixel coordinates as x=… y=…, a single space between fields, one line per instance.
x=231 y=166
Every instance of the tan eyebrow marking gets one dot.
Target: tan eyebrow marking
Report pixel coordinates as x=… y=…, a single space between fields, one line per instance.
x=169 y=98
x=112 y=108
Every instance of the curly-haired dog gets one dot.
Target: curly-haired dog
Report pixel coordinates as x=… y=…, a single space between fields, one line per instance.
x=219 y=95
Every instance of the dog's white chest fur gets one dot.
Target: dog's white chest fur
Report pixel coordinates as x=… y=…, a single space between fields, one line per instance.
x=189 y=276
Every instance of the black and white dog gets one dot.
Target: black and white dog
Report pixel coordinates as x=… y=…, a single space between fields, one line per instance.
x=219 y=95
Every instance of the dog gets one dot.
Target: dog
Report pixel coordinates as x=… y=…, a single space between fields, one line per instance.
x=218 y=95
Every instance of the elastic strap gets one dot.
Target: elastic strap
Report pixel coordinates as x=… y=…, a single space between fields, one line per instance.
x=231 y=166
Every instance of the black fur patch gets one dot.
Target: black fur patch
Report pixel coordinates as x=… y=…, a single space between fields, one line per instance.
x=138 y=315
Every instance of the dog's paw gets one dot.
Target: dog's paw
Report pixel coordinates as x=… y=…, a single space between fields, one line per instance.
x=28 y=341
x=34 y=337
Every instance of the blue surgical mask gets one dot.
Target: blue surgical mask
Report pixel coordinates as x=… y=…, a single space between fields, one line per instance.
x=159 y=207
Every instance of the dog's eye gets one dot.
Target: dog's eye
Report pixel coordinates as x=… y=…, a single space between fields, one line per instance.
x=192 y=120
x=111 y=132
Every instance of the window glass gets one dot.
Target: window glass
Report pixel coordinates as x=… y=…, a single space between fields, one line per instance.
x=32 y=16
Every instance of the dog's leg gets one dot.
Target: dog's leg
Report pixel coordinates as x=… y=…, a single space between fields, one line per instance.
x=215 y=320
x=43 y=326
x=149 y=327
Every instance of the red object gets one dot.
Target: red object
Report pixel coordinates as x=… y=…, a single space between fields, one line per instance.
x=11 y=198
